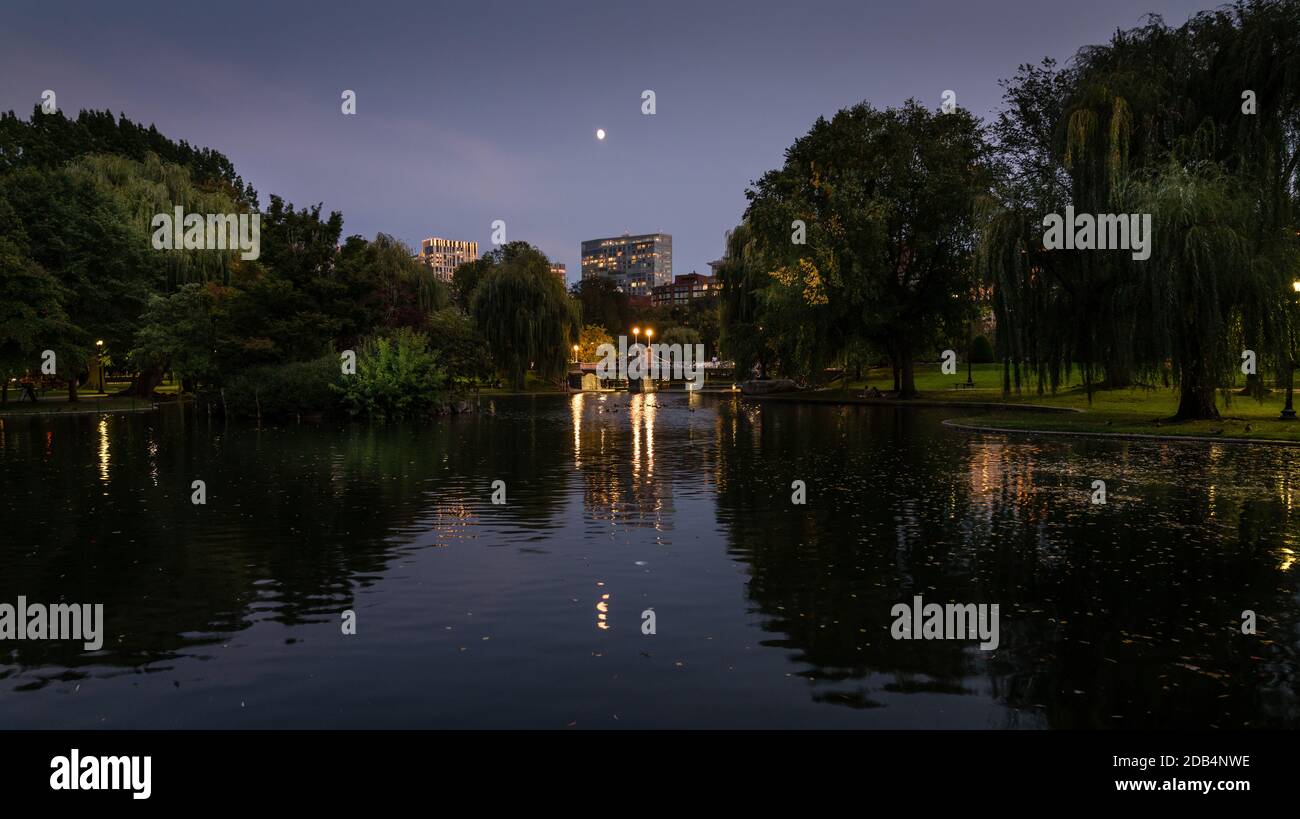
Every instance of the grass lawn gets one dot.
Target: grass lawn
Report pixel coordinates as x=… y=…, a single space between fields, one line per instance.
x=1134 y=410
x=532 y=384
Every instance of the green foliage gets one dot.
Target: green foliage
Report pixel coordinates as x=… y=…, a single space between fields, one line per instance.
x=466 y=277
x=601 y=303
x=460 y=349
x=742 y=276
x=76 y=265
x=179 y=332
x=150 y=186
x=377 y=284
x=524 y=314
x=397 y=376
x=591 y=337
x=698 y=314
x=680 y=334
x=51 y=140
x=284 y=390
x=32 y=318
x=1153 y=122
x=887 y=198
x=81 y=233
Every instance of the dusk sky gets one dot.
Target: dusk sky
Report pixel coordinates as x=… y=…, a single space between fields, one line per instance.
x=473 y=111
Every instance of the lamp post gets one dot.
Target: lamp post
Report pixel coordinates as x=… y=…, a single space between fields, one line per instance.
x=99 y=364
x=575 y=354
x=970 y=342
x=636 y=343
x=649 y=334
x=1288 y=412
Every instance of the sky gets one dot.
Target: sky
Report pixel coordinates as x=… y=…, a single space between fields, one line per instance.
x=469 y=112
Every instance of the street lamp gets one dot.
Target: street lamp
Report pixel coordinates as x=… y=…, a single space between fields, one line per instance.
x=1288 y=412
x=575 y=354
x=970 y=342
x=99 y=361
x=649 y=334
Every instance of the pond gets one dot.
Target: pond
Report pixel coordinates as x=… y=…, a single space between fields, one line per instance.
x=530 y=613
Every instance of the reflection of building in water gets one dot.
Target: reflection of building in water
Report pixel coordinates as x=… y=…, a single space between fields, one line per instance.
x=614 y=449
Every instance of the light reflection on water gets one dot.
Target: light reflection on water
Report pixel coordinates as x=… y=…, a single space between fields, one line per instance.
x=768 y=613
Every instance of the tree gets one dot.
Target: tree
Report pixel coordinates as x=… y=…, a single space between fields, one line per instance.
x=178 y=332
x=589 y=341
x=459 y=347
x=31 y=312
x=742 y=276
x=378 y=284
x=524 y=314
x=396 y=376
x=82 y=234
x=466 y=277
x=887 y=198
x=1155 y=120
x=602 y=303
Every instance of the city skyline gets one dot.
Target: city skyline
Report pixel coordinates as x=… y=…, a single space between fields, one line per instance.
x=513 y=137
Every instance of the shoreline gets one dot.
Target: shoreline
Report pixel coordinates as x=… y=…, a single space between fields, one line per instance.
x=953 y=423
x=54 y=413
x=912 y=402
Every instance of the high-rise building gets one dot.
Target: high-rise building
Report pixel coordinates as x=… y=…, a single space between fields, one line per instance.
x=636 y=264
x=561 y=271
x=443 y=256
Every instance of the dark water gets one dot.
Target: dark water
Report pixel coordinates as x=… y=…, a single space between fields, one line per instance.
x=768 y=614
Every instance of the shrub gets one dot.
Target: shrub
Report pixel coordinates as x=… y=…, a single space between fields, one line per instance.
x=296 y=388
x=396 y=376
x=981 y=350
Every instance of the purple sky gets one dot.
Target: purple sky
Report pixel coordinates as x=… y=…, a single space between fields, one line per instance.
x=473 y=111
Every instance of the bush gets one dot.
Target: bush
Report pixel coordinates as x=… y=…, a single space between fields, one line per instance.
x=981 y=350
x=460 y=349
x=396 y=376
x=297 y=388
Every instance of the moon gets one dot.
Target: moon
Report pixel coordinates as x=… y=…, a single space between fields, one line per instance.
x=600 y=133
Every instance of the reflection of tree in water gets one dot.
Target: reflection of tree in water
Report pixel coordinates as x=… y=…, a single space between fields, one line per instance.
x=296 y=518
x=1120 y=615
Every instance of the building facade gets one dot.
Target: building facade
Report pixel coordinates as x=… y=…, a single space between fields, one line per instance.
x=684 y=288
x=560 y=271
x=636 y=264
x=443 y=256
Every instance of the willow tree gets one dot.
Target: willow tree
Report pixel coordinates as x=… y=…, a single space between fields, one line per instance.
x=524 y=313
x=742 y=275
x=1038 y=319
x=149 y=187
x=142 y=189
x=1196 y=126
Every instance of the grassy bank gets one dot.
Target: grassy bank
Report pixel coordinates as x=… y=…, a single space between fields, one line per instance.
x=1135 y=410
